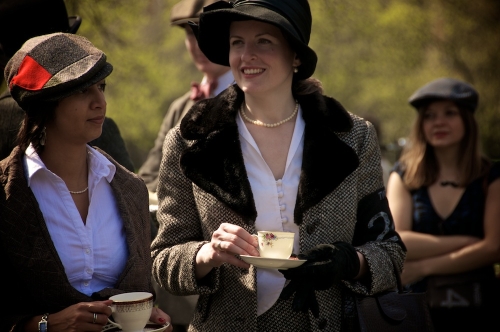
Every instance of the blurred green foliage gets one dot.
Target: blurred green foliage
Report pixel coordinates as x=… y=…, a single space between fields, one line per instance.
x=372 y=56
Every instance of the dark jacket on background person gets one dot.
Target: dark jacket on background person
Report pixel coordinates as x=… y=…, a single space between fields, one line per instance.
x=33 y=274
x=149 y=170
x=203 y=182
x=11 y=116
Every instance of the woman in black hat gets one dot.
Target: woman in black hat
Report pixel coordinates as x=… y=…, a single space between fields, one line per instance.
x=271 y=152
x=75 y=225
x=444 y=198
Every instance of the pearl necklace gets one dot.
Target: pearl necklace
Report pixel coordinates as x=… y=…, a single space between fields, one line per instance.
x=79 y=192
x=269 y=125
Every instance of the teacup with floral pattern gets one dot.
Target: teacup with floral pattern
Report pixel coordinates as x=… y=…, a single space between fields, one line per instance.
x=274 y=244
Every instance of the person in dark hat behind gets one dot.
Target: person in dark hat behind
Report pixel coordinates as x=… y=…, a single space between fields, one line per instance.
x=75 y=224
x=455 y=236
x=19 y=21
x=253 y=159
x=215 y=79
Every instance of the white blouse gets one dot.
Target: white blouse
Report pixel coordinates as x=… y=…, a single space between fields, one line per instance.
x=94 y=254
x=274 y=200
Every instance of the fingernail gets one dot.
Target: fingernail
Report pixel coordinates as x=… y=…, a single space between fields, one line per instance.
x=162 y=320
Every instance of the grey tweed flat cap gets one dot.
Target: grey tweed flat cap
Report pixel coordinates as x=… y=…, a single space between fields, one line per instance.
x=54 y=66
x=458 y=91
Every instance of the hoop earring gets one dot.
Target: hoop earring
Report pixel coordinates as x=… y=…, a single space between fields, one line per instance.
x=43 y=135
x=295 y=70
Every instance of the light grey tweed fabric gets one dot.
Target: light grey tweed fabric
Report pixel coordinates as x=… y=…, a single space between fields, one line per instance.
x=341 y=197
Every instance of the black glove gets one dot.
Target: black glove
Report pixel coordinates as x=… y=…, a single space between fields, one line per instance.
x=326 y=264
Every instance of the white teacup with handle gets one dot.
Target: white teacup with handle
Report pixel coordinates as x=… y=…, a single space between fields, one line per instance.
x=131 y=311
x=274 y=244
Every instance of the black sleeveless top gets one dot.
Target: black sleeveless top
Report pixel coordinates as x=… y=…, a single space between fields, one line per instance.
x=466 y=218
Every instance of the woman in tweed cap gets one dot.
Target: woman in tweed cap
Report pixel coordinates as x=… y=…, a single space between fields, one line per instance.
x=271 y=153
x=74 y=224
x=444 y=195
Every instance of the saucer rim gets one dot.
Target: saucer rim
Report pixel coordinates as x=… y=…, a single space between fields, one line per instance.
x=160 y=328
x=285 y=261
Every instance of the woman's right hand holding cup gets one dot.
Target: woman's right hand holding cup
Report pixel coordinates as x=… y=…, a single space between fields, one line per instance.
x=80 y=317
x=227 y=241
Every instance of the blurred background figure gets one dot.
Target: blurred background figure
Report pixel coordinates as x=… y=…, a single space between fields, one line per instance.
x=444 y=196
x=19 y=21
x=215 y=79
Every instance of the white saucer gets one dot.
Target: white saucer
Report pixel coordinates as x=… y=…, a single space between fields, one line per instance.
x=273 y=263
x=150 y=327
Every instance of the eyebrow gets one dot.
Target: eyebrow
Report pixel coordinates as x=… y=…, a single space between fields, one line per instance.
x=258 y=35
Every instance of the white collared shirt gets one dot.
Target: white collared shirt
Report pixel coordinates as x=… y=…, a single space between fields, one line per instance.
x=223 y=82
x=93 y=254
x=274 y=200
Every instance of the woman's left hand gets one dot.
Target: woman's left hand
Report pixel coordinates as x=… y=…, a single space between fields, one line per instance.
x=158 y=316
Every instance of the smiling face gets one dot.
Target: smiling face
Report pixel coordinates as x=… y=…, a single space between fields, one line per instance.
x=442 y=124
x=260 y=57
x=78 y=118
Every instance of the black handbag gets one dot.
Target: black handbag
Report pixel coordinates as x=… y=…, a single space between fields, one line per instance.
x=396 y=310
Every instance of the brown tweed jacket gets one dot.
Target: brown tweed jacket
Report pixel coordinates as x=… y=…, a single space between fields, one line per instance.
x=203 y=182
x=34 y=279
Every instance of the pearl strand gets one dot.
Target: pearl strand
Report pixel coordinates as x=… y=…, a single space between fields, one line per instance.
x=79 y=192
x=269 y=125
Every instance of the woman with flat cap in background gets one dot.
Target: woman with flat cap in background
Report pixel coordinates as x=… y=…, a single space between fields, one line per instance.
x=253 y=158
x=74 y=224
x=444 y=195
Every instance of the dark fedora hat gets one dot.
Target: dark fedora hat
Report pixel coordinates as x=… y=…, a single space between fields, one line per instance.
x=458 y=91
x=51 y=67
x=293 y=17
x=188 y=10
x=21 y=20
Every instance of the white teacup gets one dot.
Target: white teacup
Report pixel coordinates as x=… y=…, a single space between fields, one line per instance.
x=131 y=311
x=275 y=244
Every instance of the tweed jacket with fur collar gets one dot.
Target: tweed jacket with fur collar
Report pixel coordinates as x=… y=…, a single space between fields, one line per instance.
x=34 y=278
x=203 y=183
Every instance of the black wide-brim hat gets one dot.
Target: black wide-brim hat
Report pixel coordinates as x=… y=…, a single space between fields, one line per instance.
x=462 y=93
x=51 y=67
x=293 y=17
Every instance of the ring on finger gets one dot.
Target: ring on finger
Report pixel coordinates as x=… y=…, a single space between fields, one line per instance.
x=219 y=247
x=95 y=318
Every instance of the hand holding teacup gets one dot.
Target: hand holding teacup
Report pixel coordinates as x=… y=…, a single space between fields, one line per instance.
x=132 y=311
x=227 y=241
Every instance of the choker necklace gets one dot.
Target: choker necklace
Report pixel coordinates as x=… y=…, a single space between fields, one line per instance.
x=78 y=192
x=449 y=183
x=269 y=125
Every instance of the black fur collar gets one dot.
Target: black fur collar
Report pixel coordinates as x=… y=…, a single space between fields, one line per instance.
x=214 y=161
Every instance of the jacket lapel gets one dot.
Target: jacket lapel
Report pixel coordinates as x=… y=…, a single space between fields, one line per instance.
x=214 y=161
x=327 y=160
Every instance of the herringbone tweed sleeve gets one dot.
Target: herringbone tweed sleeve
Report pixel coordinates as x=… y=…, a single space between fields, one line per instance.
x=180 y=230
x=374 y=235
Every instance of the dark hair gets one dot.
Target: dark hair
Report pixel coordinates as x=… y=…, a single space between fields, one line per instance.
x=307 y=86
x=33 y=125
